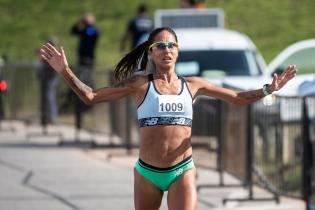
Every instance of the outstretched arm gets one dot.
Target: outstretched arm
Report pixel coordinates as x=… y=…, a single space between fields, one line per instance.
x=244 y=97
x=277 y=83
x=58 y=61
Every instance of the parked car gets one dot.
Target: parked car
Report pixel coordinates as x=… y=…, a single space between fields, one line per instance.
x=302 y=54
x=218 y=55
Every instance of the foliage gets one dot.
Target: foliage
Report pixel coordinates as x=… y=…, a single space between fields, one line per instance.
x=26 y=24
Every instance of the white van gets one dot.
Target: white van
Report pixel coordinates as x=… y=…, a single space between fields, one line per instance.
x=217 y=54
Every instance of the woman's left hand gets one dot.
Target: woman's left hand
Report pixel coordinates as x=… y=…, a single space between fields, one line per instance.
x=280 y=80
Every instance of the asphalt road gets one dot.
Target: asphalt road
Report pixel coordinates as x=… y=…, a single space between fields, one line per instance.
x=38 y=174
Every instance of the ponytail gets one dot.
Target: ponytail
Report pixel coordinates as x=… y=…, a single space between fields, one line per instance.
x=130 y=62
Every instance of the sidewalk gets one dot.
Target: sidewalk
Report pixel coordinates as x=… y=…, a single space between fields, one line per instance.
x=37 y=174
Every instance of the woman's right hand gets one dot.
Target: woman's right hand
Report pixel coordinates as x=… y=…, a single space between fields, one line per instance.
x=57 y=60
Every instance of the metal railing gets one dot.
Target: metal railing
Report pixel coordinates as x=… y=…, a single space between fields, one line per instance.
x=22 y=100
x=263 y=144
x=268 y=145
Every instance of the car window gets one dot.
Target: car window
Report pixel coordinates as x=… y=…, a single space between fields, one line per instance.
x=217 y=63
x=304 y=59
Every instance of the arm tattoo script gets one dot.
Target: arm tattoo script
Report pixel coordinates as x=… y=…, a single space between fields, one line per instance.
x=77 y=86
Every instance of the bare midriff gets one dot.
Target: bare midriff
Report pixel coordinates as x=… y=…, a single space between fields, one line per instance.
x=165 y=145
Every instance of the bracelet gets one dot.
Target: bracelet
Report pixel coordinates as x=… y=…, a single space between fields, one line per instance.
x=265 y=90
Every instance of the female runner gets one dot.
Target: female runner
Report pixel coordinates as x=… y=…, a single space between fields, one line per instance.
x=164 y=102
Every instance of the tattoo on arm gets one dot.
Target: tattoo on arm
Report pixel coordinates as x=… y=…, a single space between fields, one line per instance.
x=77 y=86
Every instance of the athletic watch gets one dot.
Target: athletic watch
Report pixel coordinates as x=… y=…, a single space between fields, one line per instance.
x=265 y=90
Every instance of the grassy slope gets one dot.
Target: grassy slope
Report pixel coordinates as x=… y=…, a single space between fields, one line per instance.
x=24 y=24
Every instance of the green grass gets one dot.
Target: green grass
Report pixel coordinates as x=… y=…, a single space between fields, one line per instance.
x=25 y=24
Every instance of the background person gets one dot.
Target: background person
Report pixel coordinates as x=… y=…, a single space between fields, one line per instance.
x=137 y=27
x=186 y=4
x=48 y=87
x=88 y=35
x=164 y=102
x=192 y=4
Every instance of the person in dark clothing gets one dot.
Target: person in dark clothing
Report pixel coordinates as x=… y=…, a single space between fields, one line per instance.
x=88 y=36
x=48 y=82
x=137 y=27
x=192 y=4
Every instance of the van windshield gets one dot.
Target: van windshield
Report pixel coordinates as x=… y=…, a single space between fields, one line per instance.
x=218 y=63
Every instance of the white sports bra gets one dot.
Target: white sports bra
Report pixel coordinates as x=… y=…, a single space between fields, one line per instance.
x=157 y=109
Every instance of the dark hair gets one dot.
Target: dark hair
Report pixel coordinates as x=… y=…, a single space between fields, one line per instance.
x=192 y=2
x=142 y=8
x=139 y=55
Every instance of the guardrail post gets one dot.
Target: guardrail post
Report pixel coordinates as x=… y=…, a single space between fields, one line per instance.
x=249 y=153
x=307 y=158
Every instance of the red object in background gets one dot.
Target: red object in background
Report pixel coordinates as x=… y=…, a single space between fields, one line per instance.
x=3 y=85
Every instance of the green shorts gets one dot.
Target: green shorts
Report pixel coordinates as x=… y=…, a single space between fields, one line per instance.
x=162 y=178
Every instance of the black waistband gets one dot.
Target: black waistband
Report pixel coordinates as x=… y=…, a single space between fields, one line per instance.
x=168 y=168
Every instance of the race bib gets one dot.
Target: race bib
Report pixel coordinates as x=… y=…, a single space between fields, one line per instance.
x=171 y=103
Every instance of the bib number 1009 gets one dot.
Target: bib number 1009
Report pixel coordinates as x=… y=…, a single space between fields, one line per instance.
x=171 y=103
x=171 y=107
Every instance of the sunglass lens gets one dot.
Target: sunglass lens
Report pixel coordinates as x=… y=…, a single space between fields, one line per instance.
x=170 y=44
x=161 y=45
